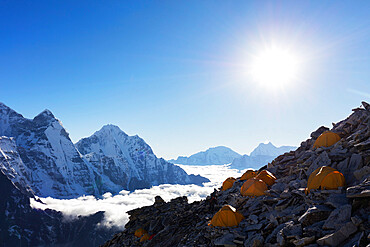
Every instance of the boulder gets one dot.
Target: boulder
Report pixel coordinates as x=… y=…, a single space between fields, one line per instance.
x=255 y=240
x=322 y=160
x=225 y=240
x=318 y=132
x=361 y=190
x=337 y=238
x=361 y=173
x=366 y=105
x=336 y=200
x=304 y=241
x=314 y=214
x=338 y=217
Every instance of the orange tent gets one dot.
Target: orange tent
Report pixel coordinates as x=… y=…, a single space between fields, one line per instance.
x=248 y=174
x=140 y=232
x=145 y=237
x=266 y=177
x=326 y=139
x=228 y=183
x=253 y=187
x=227 y=216
x=325 y=177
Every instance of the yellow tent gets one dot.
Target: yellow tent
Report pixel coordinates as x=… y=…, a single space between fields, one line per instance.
x=145 y=237
x=227 y=216
x=228 y=183
x=325 y=177
x=140 y=232
x=266 y=177
x=253 y=187
x=248 y=174
x=326 y=139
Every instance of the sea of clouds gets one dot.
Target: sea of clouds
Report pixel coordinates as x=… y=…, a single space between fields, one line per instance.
x=116 y=206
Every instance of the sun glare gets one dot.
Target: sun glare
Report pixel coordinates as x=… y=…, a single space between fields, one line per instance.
x=274 y=68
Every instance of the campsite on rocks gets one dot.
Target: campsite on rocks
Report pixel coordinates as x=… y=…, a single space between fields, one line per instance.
x=197 y=123
x=317 y=195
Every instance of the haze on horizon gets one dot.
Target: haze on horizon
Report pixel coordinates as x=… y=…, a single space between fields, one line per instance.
x=186 y=76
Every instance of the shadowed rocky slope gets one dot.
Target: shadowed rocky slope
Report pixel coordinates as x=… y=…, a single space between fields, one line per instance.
x=21 y=225
x=286 y=216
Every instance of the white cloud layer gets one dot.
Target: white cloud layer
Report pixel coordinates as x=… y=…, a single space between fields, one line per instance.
x=115 y=207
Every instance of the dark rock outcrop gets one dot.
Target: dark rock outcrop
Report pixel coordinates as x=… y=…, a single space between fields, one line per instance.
x=22 y=225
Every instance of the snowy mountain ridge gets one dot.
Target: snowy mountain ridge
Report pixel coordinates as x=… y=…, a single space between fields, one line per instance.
x=269 y=149
x=261 y=155
x=213 y=156
x=38 y=154
x=115 y=155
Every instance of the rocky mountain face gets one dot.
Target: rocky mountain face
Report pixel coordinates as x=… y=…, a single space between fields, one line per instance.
x=127 y=162
x=38 y=154
x=269 y=149
x=285 y=216
x=212 y=156
x=21 y=225
x=260 y=156
x=43 y=156
x=254 y=162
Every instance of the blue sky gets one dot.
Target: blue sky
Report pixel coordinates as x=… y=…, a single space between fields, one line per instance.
x=175 y=72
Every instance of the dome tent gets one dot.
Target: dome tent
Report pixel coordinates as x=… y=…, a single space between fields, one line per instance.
x=266 y=177
x=227 y=216
x=140 y=232
x=248 y=174
x=145 y=237
x=326 y=139
x=253 y=187
x=228 y=183
x=325 y=177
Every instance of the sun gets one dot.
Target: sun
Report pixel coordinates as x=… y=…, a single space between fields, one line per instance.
x=275 y=67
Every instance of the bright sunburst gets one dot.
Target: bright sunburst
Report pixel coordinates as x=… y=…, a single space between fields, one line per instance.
x=275 y=67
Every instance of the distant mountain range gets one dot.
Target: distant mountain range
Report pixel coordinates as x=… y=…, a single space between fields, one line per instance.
x=270 y=150
x=261 y=155
x=212 y=156
x=38 y=154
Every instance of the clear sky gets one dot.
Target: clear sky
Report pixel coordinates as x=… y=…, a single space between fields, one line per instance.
x=178 y=73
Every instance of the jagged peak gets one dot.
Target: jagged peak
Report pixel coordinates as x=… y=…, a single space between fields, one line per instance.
x=2 y=105
x=45 y=114
x=8 y=109
x=110 y=129
x=266 y=144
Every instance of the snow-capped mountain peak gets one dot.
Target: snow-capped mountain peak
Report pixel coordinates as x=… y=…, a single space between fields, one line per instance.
x=269 y=149
x=128 y=162
x=42 y=153
x=213 y=156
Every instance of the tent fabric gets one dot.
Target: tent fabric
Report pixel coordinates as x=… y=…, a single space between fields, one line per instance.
x=266 y=177
x=326 y=139
x=253 y=187
x=140 y=232
x=325 y=177
x=145 y=237
x=248 y=174
x=228 y=183
x=227 y=216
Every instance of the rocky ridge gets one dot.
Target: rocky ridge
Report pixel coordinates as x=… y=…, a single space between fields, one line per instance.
x=38 y=154
x=22 y=225
x=128 y=162
x=285 y=216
